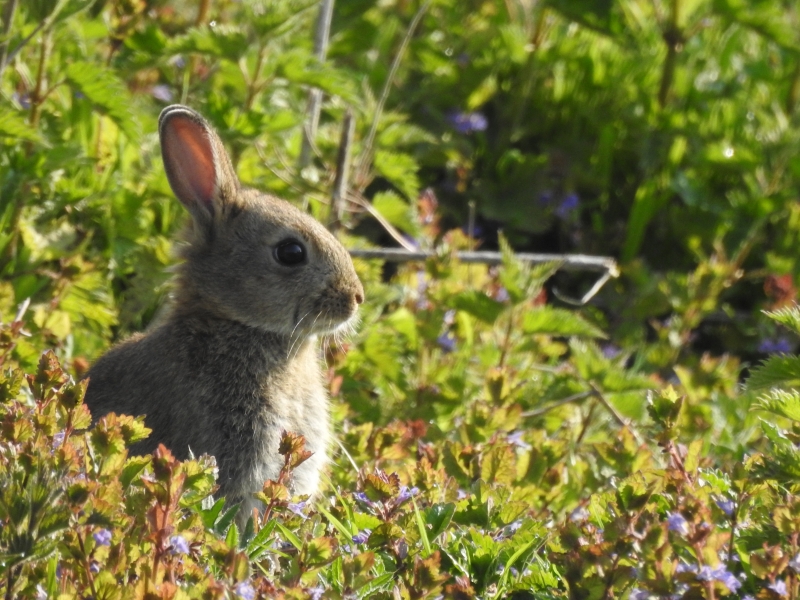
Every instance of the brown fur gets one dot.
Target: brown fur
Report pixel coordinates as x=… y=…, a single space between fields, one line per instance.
x=235 y=361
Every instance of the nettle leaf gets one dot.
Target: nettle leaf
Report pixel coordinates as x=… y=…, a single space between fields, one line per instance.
x=400 y=169
x=14 y=126
x=789 y=316
x=777 y=371
x=559 y=321
x=106 y=92
x=397 y=211
x=479 y=305
x=223 y=41
x=781 y=402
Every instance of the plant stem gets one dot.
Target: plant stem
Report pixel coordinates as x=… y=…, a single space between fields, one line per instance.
x=38 y=91
x=366 y=155
x=9 y=10
x=340 y=184
x=673 y=37
x=321 y=37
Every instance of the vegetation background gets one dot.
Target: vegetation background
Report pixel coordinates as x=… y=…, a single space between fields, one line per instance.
x=495 y=440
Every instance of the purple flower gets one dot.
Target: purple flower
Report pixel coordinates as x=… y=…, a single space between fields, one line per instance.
x=676 y=523
x=720 y=574
x=466 y=123
x=686 y=568
x=162 y=92
x=779 y=345
x=362 y=536
x=41 y=593
x=579 y=514
x=24 y=100
x=94 y=567
x=515 y=439
x=501 y=295
x=546 y=197
x=178 y=61
x=726 y=506
x=794 y=564
x=447 y=342
x=411 y=241
x=297 y=508
x=178 y=545
x=102 y=537
x=316 y=593
x=406 y=494
x=779 y=587
x=637 y=594
x=58 y=439
x=567 y=205
x=244 y=590
x=610 y=351
x=362 y=497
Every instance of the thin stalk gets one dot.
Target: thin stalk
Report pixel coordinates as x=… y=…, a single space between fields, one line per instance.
x=794 y=90
x=340 y=184
x=322 y=35
x=366 y=155
x=9 y=10
x=41 y=77
x=673 y=37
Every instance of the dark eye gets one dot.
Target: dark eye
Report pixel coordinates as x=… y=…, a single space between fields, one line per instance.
x=290 y=253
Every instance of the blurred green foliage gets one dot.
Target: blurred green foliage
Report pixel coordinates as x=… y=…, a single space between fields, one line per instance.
x=495 y=442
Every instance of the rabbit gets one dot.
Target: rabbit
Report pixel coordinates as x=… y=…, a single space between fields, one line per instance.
x=235 y=362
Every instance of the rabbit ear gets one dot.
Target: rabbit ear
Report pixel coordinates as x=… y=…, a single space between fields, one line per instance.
x=198 y=168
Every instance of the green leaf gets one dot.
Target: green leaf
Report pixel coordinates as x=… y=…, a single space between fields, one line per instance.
x=438 y=517
x=401 y=171
x=14 y=126
x=397 y=211
x=781 y=402
x=559 y=321
x=222 y=41
x=777 y=371
x=479 y=305
x=106 y=92
x=789 y=317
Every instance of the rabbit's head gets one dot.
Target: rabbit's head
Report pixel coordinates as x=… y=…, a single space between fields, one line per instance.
x=251 y=257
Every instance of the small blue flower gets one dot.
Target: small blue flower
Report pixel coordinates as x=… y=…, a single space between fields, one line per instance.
x=178 y=61
x=726 y=506
x=567 y=205
x=686 y=568
x=405 y=493
x=794 y=564
x=579 y=514
x=24 y=100
x=316 y=593
x=779 y=345
x=610 y=351
x=94 y=567
x=546 y=197
x=779 y=587
x=362 y=497
x=362 y=536
x=297 y=508
x=515 y=439
x=178 y=545
x=447 y=342
x=245 y=591
x=162 y=92
x=58 y=439
x=677 y=523
x=102 y=537
x=468 y=122
x=501 y=295
x=637 y=594
x=720 y=574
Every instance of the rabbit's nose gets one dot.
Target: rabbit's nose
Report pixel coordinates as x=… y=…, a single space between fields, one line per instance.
x=359 y=298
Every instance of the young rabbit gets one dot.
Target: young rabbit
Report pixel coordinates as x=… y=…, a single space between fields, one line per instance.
x=236 y=361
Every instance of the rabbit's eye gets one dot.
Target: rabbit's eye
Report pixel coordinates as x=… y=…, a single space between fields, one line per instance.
x=290 y=253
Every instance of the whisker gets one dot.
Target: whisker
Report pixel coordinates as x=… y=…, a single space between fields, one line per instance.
x=296 y=325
